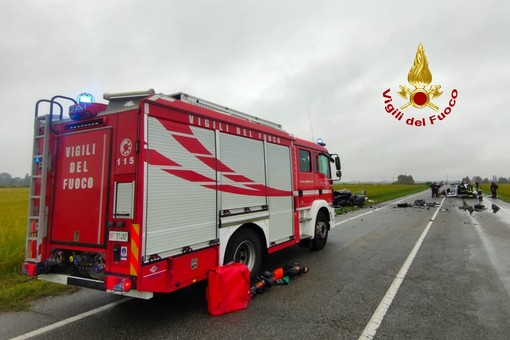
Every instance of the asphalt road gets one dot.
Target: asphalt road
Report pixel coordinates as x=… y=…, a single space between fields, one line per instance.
x=441 y=272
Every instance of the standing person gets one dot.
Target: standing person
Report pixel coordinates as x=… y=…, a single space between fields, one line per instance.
x=434 y=187
x=494 y=188
x=478 y=192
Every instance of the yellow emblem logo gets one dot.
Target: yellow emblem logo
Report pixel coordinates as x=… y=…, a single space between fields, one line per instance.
x=421 y=96
x=420 y=77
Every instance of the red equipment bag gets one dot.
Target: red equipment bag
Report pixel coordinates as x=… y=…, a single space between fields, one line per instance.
x=228 y=288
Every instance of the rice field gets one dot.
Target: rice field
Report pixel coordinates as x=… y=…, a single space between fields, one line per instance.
x=503 y=191
x=17 y=290
x=13 y=214
x=378 y=193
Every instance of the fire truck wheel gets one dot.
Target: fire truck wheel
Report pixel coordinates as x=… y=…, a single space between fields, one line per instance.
x=245 y=247
x=321 y=232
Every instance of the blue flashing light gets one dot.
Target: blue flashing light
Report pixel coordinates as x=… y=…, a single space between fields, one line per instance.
x=85 y=98
x=320 y=141
x=37 y=159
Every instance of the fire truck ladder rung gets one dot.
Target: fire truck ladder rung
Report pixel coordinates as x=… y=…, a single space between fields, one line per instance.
x=35 y=197
x=33 y=217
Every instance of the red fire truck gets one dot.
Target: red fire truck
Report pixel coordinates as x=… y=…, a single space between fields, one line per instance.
x=150 y=191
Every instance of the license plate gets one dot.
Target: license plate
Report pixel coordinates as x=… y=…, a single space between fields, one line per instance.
x=119 y=236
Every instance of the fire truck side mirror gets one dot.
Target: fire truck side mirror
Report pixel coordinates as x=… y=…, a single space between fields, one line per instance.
x=337 y=163
x=338 y=167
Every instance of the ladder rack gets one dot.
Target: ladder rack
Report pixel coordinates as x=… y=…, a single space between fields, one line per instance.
x=216 y=107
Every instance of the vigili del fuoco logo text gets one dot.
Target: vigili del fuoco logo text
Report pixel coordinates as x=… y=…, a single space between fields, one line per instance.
x=421 y=96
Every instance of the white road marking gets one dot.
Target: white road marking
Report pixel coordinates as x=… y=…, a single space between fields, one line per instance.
x=503 y=213
x=496 y=247
x=378 y=316
x=70 y=320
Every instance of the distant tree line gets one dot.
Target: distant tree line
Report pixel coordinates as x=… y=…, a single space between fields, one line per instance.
x=405 y=179
x=486 y=180
x=408 y=179
x=6 y=180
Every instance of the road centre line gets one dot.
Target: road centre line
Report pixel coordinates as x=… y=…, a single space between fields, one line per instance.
x=378 y=316
x=376 y=209
x=70 y=320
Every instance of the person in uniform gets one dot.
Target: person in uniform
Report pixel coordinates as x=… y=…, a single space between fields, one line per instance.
x=494 y=188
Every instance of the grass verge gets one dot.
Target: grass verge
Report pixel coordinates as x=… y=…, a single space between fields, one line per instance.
x=378 y=193
x=17 y=290
x=503 y=191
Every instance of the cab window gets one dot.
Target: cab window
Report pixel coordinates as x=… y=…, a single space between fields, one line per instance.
x=324 y=167
x=305 y=164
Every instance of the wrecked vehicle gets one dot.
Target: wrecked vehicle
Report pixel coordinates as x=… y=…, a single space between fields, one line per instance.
x=345 y=198
x=463 y=190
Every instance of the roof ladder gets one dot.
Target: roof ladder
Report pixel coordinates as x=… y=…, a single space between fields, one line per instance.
x=37 y=224
x=37 y=210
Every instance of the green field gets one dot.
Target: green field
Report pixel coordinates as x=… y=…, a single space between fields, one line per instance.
x=377 y=193
x=503 y=191
x=17 y=290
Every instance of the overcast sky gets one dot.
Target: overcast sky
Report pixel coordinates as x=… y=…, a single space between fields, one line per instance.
x=319 y=68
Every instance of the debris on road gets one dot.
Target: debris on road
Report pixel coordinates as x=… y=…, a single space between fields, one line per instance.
x=495 y=208
x=477 y=207
x=418 y=203
x=470 y=208
x=466 y=207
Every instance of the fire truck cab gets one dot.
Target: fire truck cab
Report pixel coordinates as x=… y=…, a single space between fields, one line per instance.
x=147 y=192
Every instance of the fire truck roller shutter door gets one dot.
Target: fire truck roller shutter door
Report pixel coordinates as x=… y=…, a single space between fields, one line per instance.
x=279 y=176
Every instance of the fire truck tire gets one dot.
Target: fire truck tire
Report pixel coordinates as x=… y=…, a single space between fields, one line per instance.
x=245 y=247
x=321 y=231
